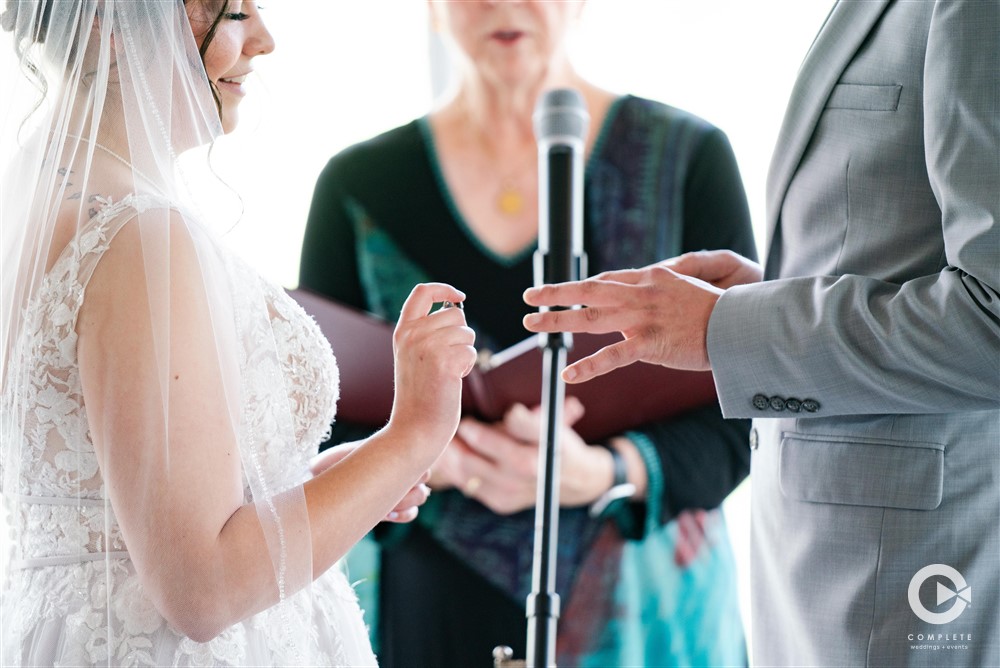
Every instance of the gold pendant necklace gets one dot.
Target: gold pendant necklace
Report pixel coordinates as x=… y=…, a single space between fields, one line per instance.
x=509 y=200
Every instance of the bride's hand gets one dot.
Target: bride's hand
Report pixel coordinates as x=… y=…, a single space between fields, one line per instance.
x=404 y=511
x=433 y=352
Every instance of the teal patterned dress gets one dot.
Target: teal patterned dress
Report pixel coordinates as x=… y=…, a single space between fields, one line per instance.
x=650 y=583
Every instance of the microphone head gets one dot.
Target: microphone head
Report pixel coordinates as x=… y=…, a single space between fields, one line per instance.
x=561 y=113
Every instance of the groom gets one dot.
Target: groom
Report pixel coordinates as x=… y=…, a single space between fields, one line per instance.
x=871 y=355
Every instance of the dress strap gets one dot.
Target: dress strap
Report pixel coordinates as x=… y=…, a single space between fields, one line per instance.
x=66 y=560
x=58 y=501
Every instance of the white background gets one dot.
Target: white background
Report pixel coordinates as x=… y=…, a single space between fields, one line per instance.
x=345 y=70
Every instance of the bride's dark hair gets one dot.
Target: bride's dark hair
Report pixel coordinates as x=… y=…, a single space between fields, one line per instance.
x=219 y=11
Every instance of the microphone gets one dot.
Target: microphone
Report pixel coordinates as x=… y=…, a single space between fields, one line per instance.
x=561 y=121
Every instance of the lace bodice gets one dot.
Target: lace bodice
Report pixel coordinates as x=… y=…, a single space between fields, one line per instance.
x=62 y=465
x=63 y=531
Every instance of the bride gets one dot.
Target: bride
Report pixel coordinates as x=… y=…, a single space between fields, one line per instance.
x=160 y=401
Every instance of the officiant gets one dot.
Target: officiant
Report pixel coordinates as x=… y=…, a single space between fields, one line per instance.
x=452 y=196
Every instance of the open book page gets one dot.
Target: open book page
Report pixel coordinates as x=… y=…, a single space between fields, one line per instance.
x=615 y=402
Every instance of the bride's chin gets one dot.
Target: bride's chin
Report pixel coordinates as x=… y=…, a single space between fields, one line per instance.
x=229 y=118
x=228 y=125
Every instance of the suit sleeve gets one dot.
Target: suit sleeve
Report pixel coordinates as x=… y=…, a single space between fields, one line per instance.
x=931 y=344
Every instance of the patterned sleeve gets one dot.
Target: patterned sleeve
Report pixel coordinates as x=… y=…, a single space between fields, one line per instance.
x=697 y=459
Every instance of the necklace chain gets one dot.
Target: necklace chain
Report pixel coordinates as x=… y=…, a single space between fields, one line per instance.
x=508 y=199
x=115 y=156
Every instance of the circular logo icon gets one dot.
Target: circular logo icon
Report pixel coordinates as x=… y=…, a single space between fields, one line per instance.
x=960 y=591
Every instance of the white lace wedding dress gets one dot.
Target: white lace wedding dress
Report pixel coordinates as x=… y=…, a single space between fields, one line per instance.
x=73 y=597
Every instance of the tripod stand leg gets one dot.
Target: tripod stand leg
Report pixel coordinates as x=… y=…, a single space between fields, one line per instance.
x=503 y=657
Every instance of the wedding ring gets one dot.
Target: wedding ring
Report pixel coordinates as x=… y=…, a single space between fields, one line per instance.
x=447 y=304
x=472 y=484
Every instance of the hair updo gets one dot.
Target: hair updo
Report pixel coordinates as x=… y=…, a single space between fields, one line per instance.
x=8 y=18
x=28 y=32
x=33 y=30
x=39 y=26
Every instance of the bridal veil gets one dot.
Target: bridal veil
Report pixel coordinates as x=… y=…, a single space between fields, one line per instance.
x=110 y=119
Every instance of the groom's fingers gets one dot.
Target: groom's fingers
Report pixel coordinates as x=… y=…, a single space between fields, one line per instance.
x=597 y=291
x=604 y=360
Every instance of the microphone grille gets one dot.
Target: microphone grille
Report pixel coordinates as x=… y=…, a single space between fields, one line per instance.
x=561 y=112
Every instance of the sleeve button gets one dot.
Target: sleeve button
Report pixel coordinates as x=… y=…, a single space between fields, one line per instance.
x=777 y=403
x=810 y=405
x=760 y=402
x=793 y=405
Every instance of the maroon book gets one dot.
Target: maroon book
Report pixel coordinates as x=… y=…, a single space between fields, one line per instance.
x=615 y=402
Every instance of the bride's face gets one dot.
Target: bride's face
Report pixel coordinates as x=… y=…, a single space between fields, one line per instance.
x=239 y=36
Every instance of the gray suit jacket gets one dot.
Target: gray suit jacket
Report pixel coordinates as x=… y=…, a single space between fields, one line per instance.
x=872 y=357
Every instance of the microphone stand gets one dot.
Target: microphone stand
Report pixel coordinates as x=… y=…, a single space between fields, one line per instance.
x=561 y=120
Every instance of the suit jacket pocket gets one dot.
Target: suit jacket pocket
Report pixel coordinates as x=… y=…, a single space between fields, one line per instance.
x=861 y=472
x=865 y=97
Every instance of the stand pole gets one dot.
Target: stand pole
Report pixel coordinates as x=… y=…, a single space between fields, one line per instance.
x=543 y=602
x=561 y=121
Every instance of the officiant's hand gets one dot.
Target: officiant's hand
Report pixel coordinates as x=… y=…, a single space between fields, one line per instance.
x=498 y=463
x=721 y=268
x=484 y=461
x=408 y=506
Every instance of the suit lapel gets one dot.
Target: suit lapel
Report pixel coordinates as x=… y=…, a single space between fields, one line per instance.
x=842 y=34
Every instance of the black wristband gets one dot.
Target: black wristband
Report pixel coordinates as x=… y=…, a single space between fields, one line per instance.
x=620 y=489
x=621 y=475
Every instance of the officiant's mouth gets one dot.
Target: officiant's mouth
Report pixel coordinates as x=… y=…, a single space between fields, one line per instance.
x=507 y=36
